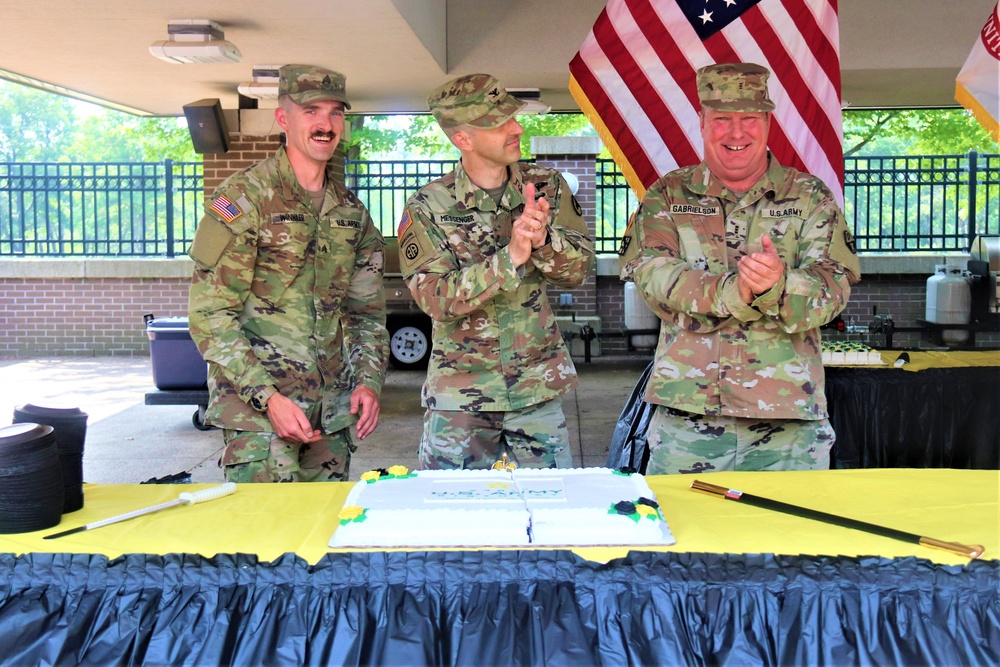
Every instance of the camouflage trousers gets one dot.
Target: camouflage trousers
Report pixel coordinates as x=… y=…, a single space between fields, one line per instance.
x=535 y=437
x=682 y=442
x=252 y=456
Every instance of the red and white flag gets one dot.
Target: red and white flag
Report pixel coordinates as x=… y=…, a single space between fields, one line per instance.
x=977 y=87
x=634 y=77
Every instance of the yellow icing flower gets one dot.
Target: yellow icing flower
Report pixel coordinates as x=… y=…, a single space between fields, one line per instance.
x=370 y=476
x=350 y=512
x=398 y=471
x=646 y=510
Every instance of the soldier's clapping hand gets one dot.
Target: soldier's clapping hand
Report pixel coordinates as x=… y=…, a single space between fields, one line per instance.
x=759 y=271
x=531 y=228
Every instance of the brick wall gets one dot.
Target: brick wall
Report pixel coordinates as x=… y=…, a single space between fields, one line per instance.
x=243 y=152
x=84 y=317
x=583 y=299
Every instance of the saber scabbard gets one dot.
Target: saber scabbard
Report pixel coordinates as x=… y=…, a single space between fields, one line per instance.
x=969 y=551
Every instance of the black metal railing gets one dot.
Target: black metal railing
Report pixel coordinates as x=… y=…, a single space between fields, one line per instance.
x=894 y=204
x=615 y=203
x=99 y=209
x=384 y=186
x=932 y=203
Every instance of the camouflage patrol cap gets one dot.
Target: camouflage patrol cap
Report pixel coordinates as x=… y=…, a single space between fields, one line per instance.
x=734 y=87
x=305 y=84
x=479 y=100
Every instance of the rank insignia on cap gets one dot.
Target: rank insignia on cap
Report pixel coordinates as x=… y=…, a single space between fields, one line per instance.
x=226 y=208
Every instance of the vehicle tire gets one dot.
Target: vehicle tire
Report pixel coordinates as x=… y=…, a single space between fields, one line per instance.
x=409 y=343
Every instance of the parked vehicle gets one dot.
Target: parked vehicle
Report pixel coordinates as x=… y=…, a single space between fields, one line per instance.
x=409 y=327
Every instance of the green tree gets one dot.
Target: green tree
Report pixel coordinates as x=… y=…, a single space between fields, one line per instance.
x=35 y=126
x=914 y=132
x=382 y=137
x=112 y=136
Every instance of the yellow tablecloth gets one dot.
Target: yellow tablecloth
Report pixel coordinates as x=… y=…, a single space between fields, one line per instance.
x=920 y=361
x=269 y=520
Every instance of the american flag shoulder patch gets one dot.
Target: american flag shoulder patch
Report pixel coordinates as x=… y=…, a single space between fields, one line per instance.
x=404 y=222
x=226 y=209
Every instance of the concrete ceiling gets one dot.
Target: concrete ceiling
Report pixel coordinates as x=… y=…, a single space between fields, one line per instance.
x=394 y=52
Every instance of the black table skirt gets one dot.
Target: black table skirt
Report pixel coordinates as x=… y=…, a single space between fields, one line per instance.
x=934 y=418
x=497 y=607
x=883 y=418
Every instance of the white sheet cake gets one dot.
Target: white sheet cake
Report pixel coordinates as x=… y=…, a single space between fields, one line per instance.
x=474 y=508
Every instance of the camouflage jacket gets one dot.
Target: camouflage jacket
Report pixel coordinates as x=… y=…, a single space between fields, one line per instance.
x=717 y=355
x=496 y=344
x=283 y=297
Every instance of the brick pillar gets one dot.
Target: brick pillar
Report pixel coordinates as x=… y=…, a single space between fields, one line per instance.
x=575 y=155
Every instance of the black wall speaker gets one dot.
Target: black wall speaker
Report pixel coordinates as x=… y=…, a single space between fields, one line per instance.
x=207 y=125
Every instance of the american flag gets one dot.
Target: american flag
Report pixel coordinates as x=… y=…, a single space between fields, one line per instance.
x=634 y=77
x=227 y=209
x=977 y=86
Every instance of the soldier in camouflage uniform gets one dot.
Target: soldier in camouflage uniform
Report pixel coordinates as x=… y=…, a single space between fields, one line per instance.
x=286 y=303
x=478 y=249
x=743 y=260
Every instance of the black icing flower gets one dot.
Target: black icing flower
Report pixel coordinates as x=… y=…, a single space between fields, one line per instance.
x=648 y=501
x=627 y=470
x=625 y=507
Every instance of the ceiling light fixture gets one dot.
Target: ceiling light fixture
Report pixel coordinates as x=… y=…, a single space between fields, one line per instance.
x=533 y=96
x=195 y=42
x=264 y=83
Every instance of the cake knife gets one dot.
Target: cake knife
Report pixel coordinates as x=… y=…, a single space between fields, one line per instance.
x=185 y=498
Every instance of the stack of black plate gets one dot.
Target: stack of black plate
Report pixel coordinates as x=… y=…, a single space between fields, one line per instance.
x=70 y=426
x=31 y=485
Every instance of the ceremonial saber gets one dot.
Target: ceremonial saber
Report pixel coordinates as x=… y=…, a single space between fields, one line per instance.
x=183 y=499
x=969 y=551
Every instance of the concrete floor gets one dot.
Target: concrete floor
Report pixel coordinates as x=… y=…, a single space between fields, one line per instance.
x=129 y=442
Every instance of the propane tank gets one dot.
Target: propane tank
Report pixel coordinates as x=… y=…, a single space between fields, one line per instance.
x=953 y=304
x=639 y=316
x=930 y=312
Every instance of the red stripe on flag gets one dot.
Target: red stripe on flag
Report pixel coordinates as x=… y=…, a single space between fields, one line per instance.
x=825 y=52
x=616 y=125
x=671 y=56
x=799 y=90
